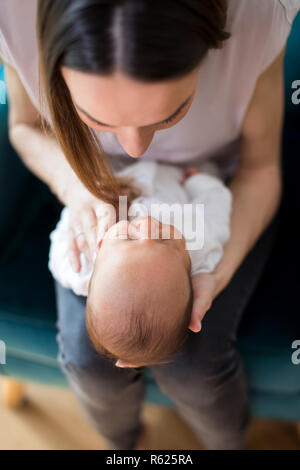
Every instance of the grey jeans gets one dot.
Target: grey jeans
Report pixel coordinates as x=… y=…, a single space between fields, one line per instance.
x=206 y=382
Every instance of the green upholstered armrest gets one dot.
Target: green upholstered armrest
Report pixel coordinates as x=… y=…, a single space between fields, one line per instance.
x=21 y=194
x=292 y=67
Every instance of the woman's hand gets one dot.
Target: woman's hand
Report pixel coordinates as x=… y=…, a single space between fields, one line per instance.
x=89 y=219
x=204 y=290
x=188 y=172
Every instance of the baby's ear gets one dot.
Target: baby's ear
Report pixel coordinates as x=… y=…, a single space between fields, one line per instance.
x=121 y=363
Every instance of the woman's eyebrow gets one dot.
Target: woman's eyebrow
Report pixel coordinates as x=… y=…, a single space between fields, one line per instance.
x=155 y=124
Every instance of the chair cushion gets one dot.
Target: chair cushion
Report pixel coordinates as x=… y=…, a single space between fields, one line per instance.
x=27 y=299
x=26 y=194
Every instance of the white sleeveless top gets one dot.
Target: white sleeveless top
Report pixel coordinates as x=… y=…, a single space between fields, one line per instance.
x=227 y=78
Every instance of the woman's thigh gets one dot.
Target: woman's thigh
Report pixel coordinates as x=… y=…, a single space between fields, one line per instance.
x=82 y=364
x=210 y=357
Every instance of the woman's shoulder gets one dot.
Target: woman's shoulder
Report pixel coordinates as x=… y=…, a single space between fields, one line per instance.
x=17 y=29
x=262 y=9
x=291 y=7
x=260 y=28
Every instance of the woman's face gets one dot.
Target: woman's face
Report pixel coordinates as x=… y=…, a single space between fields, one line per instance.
x=131 y=109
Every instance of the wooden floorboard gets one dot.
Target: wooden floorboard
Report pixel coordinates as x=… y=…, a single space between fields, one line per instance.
x=51 y=419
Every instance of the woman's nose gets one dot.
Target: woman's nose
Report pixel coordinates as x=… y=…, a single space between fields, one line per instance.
x=135 y=141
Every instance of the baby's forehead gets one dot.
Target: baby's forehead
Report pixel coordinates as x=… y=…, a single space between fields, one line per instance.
x=140 y=278
x=130 y=266
x=128 y=251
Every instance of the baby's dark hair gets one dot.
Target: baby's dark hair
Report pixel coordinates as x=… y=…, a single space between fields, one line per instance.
x=144 y=339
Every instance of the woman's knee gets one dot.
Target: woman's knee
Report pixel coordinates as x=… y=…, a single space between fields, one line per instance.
x=83 y=366
x=91 y=375
x=201 y=378
x=76 y=351
x=95 y=377
x=81 y=362
x=76 y=359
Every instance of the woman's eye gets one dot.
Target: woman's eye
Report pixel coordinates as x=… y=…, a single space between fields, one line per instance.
x=170 y=119
x=167 y=121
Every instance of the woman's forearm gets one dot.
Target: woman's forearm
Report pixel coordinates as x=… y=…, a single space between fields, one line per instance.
x=40 y=152
x=43 y=156
x=256 y=198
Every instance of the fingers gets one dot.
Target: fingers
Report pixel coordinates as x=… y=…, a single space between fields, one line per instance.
x=78 y=244
x=88 y=239
x=74 y=253
x=103 y=226
x=87 y=226
x=204 y=288
x=105 y=217
x=195 y=324
x=190 y=171
x=200 y=308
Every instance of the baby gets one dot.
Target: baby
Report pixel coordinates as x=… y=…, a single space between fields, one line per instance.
x=139 y=292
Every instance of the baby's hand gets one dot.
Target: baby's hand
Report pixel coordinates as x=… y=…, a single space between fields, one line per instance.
x=188 y=172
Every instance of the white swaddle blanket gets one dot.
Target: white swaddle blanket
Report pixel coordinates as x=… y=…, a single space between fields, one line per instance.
x=200 y=209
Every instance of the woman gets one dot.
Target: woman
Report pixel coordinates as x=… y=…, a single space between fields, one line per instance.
x=207 y=74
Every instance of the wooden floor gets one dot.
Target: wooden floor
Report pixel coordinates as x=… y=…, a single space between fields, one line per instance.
x=52 y=419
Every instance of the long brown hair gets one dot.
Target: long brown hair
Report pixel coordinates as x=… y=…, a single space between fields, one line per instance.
x=158 y=40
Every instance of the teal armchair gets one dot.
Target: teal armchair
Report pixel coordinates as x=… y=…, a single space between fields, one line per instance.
x=28 y=212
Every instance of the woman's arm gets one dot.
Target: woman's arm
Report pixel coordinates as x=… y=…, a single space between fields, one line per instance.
x=256 y=187
x=43 y=156
x=40 y=153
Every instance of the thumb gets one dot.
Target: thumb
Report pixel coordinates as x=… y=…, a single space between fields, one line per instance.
x=195 y=323
x=200 y=308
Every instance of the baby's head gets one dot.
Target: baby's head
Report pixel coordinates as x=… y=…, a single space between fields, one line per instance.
x=140 y=296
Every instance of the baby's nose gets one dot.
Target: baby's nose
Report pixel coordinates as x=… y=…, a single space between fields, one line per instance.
x=147 y=228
